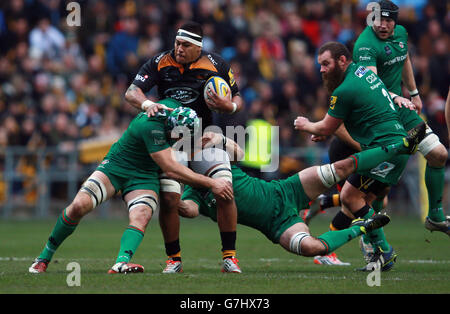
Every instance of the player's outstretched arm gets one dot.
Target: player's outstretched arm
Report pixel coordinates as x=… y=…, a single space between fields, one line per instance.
x=177 y=171
x=327 y=126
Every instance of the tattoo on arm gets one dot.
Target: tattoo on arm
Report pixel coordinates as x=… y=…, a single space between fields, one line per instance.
x=135 y=96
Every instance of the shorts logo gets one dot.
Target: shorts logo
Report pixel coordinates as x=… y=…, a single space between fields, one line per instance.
x=383 y=169
x=333 y=100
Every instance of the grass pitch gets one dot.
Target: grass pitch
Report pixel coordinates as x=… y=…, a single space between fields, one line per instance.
x=423 y=265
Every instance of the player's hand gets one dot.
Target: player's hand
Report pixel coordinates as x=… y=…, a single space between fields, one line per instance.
x=318 y=138
x=211 y=139
x=223 y=189
x=218 y=103
x=300 y=123
x=153 y=109
x=417 y=102
x=404 y=102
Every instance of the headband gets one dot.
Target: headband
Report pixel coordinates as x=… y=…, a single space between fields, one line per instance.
x=190 y=37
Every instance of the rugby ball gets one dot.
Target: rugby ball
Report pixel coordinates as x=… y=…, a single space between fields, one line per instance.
x=217 y=84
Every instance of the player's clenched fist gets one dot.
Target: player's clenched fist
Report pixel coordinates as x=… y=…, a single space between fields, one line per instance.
x=300 y=123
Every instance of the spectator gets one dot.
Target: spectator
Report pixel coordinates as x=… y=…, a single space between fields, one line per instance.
x=46 y=41
x=121 y=56
x=55 y=73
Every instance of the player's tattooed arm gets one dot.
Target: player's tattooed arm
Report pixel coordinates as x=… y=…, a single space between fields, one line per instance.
x=135 y=96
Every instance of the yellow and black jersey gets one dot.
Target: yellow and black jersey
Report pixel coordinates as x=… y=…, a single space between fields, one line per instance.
x=185 y=83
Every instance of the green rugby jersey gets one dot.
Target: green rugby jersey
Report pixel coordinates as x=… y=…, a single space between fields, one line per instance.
x=251 y=209
x=388 y=56
x=363 y=102
x=270 y=207
x=144 y=136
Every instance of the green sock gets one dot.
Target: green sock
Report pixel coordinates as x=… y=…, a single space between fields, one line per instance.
x=131 y=239
x=370 y=158
x=377 y=206
x=332 y=240
x=377 y=236
x=63 y=228
x=435 y=180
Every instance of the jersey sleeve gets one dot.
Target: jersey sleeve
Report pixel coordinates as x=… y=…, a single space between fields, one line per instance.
x=154 y=137
x=340 y=104
x=147 y=75
x=365 y=54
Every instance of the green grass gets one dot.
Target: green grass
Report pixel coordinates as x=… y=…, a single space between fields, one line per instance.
x=423 y=264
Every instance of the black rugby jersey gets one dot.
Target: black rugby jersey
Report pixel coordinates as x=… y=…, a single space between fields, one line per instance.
x=185 y=83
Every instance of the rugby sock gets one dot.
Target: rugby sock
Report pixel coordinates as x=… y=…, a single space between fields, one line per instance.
x=173 y=250
x=130 y=241
x=228 y=243
x=330 y=201
x=377 y=236
x=377 y=205
x=332 y=240
x=370 y=158
x=434 y=181
x=340 y=221
x=63 y=228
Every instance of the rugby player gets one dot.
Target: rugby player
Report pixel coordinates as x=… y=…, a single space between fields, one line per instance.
x=181 y=74
x=360 y=100
x=273 y=207
x=132 y=167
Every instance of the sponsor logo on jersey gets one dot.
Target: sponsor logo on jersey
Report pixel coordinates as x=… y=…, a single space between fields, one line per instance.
x=361 y=71
x=141 y=78
x=212 y=60
x=231 y=76
x=184 y=95
x=388 y=50
x=159 y=137
x=395 y=60
x=371 y=78
x=159 y=58
x=333 y=100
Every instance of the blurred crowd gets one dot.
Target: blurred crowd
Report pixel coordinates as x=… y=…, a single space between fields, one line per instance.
x=62 y=84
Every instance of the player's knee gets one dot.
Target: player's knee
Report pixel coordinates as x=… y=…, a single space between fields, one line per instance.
x=312 y=247
x=141 y=209
x=80 y=206
x=437 y=157
x=347 y=198
x=169 y=201
x=140 y=216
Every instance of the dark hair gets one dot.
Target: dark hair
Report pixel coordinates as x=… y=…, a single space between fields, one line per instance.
x=336 y=49
x=193 y=27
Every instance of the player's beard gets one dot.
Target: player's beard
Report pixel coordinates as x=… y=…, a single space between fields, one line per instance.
x=333 y=79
